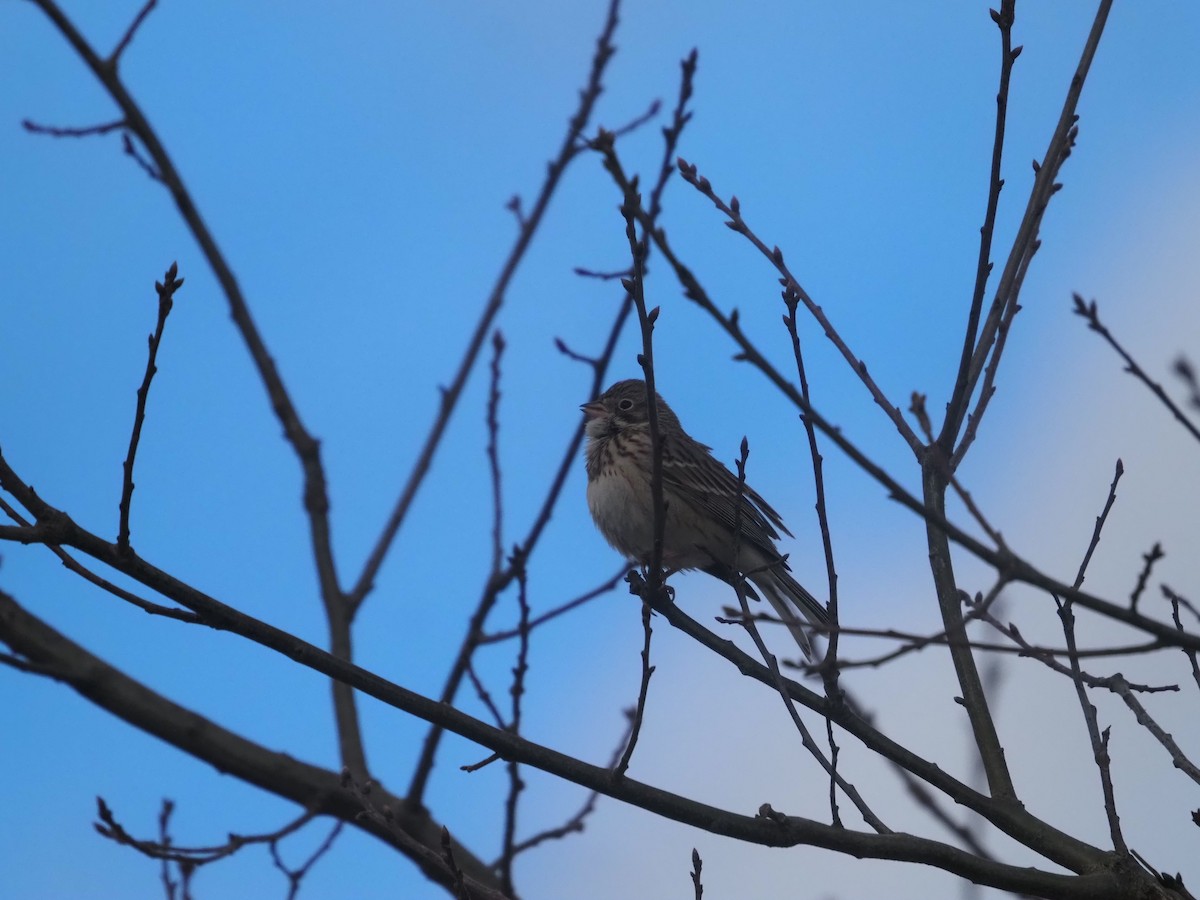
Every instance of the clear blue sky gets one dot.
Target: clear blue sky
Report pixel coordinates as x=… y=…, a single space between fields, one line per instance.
x=353 y=162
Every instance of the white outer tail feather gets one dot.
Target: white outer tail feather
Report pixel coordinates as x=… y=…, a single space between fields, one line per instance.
x=788 y=598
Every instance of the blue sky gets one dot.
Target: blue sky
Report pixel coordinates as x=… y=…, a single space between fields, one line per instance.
x=353 y=163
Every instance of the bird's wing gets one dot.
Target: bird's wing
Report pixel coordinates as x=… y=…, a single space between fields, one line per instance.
x=693 y=472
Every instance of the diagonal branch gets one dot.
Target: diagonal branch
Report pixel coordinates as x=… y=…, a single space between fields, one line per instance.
x=737 y=223
x=311 y=787
x=1091 y=313
x=58 y=528
x=569 y=150
x=314 y=787
x=73 y=565
x=304 y=445
x=130 y=32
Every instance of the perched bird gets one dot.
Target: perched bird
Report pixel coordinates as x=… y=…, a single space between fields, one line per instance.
x=700 y=500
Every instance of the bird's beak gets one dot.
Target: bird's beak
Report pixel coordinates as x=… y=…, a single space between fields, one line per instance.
x=593 y=410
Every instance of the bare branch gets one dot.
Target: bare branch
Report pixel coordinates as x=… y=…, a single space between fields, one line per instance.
x=517 y=691
x=829 y=663
x=732 y=209
x=296 y=876
x=1026 y=243
x=1177 y=601
x=1100 y=520
x=166 y=297
x=1187 y=374
x=575 y=823
x=1149 y=558
x=828 y=764
x=557 y=611
x=1090 y=312
x=163 y=848
x=306 y=448
x=115 y=57
x=638 y=586
x=634 y=124
x=70 y=132
x=493 y=452
x=499 y=581
x=959 y=396
x=1099 y=739
x=73 y=565
x=569 y=149
x=36 y=642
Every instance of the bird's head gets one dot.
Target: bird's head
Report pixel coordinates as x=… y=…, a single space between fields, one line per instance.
x=624 y=406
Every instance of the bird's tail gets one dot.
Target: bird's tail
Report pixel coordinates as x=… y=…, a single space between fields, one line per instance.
x=788 y=597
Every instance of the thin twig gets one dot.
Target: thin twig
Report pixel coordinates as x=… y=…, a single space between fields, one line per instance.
x=1180 y=760
x=110 y=828
x=73 y=565
x=115 y=57
x=72 y=132
x=517 y=690
x=652 y=585
x=575 y=824
x=1149 y=558
x=1025 y=244
x=1176 y=601
x=1115 y=683
x=772 y=664
x=829 y=663
x=917 y=408
x=635 y=123
x=497 y=582
x=557 y=611
x=987 y=389
x=635 y=287
x=20 y=664
x=639 y=587
x=1090 y=312
x=166 y=298
x=1118 y=471
x=737 y=223
x=1099 y=739
x=485 y=697
x=959 y=396
x=928 y=801
x=493 y=452
x=131 y=150
x=295 y=877
x=1187 y=374
x=164 y=837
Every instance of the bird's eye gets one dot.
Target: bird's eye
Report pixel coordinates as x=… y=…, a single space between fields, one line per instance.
x=625 y=405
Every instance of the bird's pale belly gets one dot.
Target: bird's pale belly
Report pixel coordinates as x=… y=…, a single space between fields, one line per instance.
x=623 y=511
